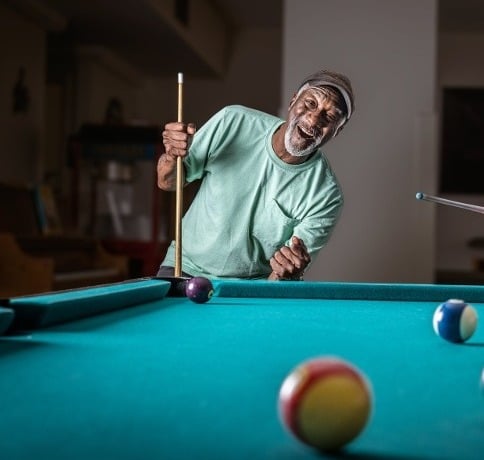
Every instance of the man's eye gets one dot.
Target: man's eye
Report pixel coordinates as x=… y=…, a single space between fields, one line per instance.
x=333 y=119
x=310 y=103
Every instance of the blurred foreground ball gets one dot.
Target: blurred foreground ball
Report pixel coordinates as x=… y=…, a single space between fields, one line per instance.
x=325 y=402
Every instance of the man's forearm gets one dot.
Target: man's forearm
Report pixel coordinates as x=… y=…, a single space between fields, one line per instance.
x=166 y=171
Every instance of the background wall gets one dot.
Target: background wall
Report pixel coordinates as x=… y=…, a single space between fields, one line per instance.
x=387 y=152
x=398 y=60
x=252 y=78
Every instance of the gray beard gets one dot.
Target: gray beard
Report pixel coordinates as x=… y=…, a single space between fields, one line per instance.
x=296 y=151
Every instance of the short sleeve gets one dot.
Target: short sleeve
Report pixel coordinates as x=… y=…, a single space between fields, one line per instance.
x=205 y=144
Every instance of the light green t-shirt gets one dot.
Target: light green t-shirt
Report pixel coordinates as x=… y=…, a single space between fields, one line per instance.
x=250 y=203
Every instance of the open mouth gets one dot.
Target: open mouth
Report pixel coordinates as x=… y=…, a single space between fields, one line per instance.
x=304 y=132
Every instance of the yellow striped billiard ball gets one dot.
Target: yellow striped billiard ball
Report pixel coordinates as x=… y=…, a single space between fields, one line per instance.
x=325 y=402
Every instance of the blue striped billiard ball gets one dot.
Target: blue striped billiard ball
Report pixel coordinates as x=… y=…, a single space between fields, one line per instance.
x=455 y=320
x=199 y=289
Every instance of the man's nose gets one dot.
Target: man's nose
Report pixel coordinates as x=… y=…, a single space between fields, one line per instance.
x=318 y=119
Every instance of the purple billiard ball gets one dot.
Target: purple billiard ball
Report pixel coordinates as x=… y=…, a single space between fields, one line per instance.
x=199 y=289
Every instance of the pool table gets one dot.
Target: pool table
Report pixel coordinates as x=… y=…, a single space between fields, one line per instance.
x=125 y=371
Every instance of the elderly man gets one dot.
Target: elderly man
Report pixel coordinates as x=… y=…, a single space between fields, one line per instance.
x=268 y=199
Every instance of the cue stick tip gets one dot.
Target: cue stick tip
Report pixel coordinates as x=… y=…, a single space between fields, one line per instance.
x=177 y=284
x=420 y=196
x=180 y=77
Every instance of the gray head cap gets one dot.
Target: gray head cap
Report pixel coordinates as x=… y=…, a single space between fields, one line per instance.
x=335 y=80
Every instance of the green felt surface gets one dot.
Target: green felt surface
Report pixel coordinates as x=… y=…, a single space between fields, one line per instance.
x=171 y=379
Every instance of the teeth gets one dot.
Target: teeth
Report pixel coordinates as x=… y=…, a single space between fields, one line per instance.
x=305 y=131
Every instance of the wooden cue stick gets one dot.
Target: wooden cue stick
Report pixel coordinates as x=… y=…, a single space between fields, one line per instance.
x=457 y=204
x=179 y=189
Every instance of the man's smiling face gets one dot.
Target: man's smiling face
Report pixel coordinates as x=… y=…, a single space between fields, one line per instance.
x=315 y=115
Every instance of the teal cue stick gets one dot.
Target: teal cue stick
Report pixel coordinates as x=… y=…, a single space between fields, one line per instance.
x=456 y=204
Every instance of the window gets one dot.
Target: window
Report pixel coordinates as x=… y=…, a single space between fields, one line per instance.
x=462 y=141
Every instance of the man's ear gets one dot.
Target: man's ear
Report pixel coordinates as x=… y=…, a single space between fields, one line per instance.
x=291 y=102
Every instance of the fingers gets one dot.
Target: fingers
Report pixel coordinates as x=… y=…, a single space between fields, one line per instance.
x=177 y=138
x=298 y=248
x=284 y=268
x=290 y=262
x=181 y=127
x=191 y=128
